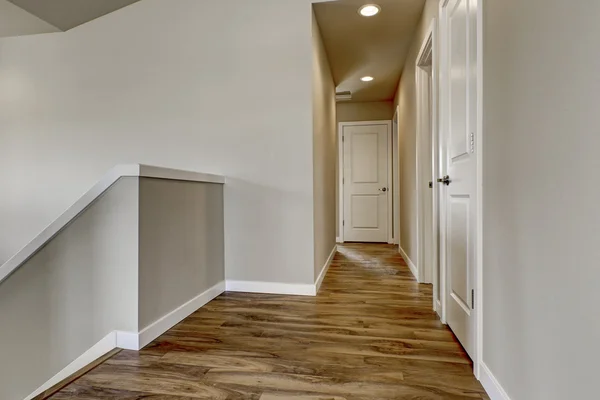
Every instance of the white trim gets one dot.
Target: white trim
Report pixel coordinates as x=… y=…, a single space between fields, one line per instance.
x=435 y=166
x=120 y=171
x=132 y=340
x=325 y=268
x=128 y=340
x=491 y=385
x=338 y=240
x=441 y=170
x=479 y=143
x=105 y=345
x=389 y=184
x=359 y=123
x=340 y=204
x=396 y=175
x=298 y=289
x=157 y=328
x=437 y=307
x=423 y=77
x=151 y=171
x=411 y=265
x=137 y=341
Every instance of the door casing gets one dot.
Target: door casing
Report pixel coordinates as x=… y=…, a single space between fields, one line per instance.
x=444 y=106
x=427 y=127
x=396 y=175
x=390 y=197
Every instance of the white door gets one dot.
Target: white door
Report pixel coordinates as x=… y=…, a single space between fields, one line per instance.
x=365 y=183
x=460 y=188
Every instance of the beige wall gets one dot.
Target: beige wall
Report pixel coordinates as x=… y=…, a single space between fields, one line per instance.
x=141 y=250
x=369 y=111
x=406 y=100
x=324 y=152
x=154 y=83
x=76 y=290
x=541 y=195
x=180 y=244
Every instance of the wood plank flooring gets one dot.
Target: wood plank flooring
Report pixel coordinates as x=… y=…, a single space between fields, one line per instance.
x=369 y=334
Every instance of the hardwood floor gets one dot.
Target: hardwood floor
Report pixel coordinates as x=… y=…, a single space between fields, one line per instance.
x=369 y=334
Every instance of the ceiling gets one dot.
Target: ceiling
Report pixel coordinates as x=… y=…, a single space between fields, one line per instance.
x=15 y=21
x=61 y=15
x=375 y=46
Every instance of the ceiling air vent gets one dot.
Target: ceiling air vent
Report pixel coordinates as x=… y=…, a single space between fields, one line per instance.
x=343 y=96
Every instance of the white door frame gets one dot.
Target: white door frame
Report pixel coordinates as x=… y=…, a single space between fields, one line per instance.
x=396 y=175
x=477 y=361
x=390 y=196
x=427 y=124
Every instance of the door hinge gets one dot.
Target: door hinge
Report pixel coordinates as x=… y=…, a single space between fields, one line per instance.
x=472 y=299
x=343 y=138
x=343 y=181
x=472 y=142
x=344 y=223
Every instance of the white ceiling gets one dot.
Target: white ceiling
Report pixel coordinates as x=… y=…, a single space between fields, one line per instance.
x=375 y=46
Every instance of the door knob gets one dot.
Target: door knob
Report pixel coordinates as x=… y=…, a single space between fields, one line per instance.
x=383 y=190
x=445 y=180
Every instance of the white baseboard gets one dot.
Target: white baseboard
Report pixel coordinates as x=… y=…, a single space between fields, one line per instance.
x=105 y=345
x=491 y=384
x=136 y=341
x=128 y=340
x=338 y=239
x=325 y=269
x=157 y=328
x=272 y=288
x=437 y=307
x=411 y=265
x=132 y=340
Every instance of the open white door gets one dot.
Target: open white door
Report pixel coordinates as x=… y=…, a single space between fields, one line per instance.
x=365 y=182
x=459 y=193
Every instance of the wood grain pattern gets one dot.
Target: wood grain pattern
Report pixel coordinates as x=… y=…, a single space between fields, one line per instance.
x=369 y=334
x=65 y=382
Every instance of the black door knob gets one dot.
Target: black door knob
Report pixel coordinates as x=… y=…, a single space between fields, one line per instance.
x=445 y=180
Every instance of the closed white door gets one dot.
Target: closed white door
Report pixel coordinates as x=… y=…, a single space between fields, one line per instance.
x=460 y=186
x=365 y=183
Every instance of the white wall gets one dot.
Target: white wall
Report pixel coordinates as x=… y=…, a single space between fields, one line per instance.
x=406 y=99
x=214 y=86
x=181 y=244
x=325 y=152
x=365 y=111
x=541 y=196
x=75 y=291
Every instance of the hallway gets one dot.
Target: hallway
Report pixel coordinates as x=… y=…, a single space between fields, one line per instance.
x=369 y=334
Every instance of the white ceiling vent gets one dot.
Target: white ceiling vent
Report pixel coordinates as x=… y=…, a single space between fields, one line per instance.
x=343 y=96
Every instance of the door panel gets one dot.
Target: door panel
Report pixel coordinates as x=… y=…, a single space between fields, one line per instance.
x=365 y=211
x=365 y=178
x=460 y=196
x=458 y=249
x=458 y=78
x=365 y=157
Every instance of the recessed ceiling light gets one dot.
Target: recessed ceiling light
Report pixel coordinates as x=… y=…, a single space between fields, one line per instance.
x=367 y=78
x=369 y=10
